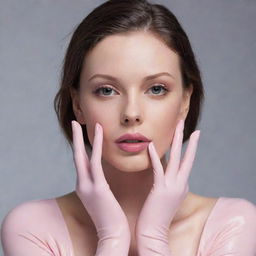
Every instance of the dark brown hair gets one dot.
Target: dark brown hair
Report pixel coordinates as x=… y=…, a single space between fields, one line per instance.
x=120 y=16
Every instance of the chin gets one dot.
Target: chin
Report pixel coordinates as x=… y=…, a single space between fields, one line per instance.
x=129 y=164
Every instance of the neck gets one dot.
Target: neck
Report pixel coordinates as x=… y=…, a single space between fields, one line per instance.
x=132 y=189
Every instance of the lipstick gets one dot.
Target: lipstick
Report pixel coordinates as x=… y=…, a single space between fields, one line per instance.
x=135 y=142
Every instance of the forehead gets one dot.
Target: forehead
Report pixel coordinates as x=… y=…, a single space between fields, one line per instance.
x=131 y=54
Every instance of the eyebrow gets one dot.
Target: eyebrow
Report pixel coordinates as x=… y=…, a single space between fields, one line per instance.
x=144 y=79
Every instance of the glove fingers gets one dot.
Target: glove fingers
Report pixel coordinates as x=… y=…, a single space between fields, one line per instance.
x=97 y=171
x=156 y=164
x=79 y=154
x=175 y=154
x=189 y=156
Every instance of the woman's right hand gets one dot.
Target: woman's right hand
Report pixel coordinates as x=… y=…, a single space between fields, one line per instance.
x=94 y=192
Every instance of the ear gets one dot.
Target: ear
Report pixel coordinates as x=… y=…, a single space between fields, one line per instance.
x=76 y=106
x=185 y=102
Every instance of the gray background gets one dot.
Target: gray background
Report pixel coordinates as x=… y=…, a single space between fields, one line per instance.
x=36 y=162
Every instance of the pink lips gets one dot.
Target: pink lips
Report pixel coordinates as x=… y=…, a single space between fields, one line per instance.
x=132 y=136
x=132 y=146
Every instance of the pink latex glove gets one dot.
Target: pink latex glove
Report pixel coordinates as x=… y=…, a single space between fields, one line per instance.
x=169 y=190
x=93 y=190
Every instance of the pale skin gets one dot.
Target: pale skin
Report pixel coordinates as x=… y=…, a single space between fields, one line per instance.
x=130 y=176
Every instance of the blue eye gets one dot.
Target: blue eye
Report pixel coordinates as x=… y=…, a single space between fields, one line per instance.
x=161 y=87
x=109 y=89
x=103 y=88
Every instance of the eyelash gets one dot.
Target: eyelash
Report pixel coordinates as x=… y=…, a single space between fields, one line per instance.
x=107 y=87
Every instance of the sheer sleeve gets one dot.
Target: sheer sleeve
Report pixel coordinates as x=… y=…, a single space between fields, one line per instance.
x=34 y=228
x=232 y=230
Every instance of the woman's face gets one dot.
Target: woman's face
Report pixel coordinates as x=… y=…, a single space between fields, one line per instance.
x=152 y=107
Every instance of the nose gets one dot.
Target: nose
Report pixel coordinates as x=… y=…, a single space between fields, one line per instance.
x=131 y=114
x=131 y=120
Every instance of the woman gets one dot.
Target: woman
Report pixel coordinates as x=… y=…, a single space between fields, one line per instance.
x=129 y=69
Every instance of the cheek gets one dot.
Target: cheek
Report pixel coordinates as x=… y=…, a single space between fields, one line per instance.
x=96 y=113
x=166 y=115
x=165 y=123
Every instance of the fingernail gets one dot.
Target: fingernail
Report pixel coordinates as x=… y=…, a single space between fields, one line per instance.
x=97 y=127
x=181 y=124
x=73 y=124
x=197 y=134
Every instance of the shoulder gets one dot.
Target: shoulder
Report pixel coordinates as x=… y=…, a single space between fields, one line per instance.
x=235 y=207
x=233 y=212
x=231 y=227
x=33 y=223
x=30 y=213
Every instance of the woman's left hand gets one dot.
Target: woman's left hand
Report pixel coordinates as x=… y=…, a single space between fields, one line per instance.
x=169 y=190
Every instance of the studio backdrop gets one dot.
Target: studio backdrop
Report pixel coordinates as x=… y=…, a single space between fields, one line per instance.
x=36 y=161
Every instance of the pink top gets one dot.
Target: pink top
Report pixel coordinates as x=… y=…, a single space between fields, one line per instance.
x=38 y=228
